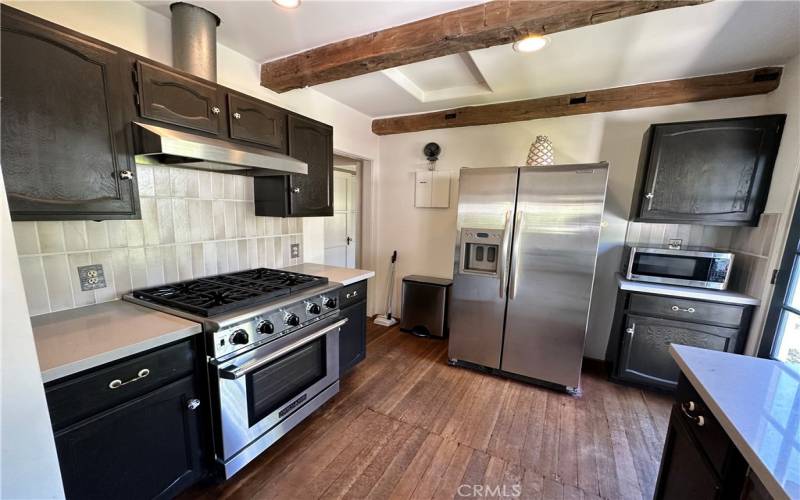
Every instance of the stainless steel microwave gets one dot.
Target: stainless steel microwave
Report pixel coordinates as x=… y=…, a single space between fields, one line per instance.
x=699 y=268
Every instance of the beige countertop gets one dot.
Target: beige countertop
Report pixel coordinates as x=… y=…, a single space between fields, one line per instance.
x=342 y=275
x=75 y=340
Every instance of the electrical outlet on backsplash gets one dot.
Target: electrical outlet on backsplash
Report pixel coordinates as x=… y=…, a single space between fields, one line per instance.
x=193 y=224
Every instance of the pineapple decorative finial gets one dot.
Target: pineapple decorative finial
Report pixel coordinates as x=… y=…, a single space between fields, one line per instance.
x=541 y=152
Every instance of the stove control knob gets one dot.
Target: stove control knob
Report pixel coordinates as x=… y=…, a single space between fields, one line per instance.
x=329 y=302
x=292 y=319
x=313 y=308
x=266 y=327
x=239 y=337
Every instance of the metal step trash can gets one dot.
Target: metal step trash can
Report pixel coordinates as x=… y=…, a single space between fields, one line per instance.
x=425 y=304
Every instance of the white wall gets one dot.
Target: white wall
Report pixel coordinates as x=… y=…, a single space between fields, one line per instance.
x=28 y=463
x=424 y=238
x=140 y=30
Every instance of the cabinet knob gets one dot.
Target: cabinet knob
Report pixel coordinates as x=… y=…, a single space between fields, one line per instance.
x=630 y=330
x=126 y=175
x=215 y=110
x=193 y=403
x=649 y=196
x=237 y=115
x=295 y=189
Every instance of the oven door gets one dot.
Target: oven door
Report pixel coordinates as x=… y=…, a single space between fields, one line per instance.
x=262 y=387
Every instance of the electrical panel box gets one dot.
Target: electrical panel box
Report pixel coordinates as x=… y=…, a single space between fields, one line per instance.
x=432 y=189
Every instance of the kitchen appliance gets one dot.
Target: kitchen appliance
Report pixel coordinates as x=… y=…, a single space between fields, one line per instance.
x=194 y=50
x=272 y=342
x=525 y=255
x=425 y=300
x=696 y=267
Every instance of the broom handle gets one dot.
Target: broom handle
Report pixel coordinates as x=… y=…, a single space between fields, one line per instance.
x=390 y=293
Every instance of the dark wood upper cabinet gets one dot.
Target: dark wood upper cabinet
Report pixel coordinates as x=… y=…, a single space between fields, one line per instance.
x=256 y=121
x=714 y=172
x=66 y=147
x=170 y=97
x=301 y=195
x=311 y=142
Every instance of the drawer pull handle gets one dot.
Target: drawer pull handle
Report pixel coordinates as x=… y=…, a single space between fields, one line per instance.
x=351 y=295
x=116 y=384
x=686 y=408
x=193 y=404
x=687 y=310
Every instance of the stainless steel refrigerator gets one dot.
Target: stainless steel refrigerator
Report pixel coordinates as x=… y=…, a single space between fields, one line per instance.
x=524 y=265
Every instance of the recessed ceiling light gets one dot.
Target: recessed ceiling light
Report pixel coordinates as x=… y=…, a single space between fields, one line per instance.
x=288 y=4
x=531 y=43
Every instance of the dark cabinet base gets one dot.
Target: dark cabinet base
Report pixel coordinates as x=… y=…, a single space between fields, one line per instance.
x=146 y=448
x=646 y=325
x=353 y=336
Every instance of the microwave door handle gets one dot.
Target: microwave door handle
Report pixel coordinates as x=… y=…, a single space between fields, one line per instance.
x=515 y=255
x=502 y=266
x=239 y=371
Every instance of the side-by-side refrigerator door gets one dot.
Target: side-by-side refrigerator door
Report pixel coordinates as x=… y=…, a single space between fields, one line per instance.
x=480 y=276
x=559 y=210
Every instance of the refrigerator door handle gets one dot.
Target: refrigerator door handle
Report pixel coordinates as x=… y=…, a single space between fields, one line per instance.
x=502 y=272
x=515 y=256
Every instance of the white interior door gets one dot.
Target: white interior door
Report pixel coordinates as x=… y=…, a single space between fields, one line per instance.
x=341 y=230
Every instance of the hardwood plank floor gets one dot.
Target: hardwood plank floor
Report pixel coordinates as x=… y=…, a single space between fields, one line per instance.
x=407 y=425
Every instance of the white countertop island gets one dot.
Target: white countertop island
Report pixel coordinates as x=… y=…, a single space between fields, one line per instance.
x=343 y=275
x=757 y=402
x=686 y=292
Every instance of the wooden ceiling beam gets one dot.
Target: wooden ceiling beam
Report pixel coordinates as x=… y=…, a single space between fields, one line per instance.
x=497 y=22
x=703 y=88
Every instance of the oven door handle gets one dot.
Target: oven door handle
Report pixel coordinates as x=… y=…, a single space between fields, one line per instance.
x=246 y=368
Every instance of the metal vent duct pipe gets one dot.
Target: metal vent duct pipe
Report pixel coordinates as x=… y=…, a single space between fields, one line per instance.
x=194 y=40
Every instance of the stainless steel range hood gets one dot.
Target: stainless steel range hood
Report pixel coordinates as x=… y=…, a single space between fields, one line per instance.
x=159 y=145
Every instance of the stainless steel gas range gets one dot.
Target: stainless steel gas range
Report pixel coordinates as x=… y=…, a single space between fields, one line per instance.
x=272 y=341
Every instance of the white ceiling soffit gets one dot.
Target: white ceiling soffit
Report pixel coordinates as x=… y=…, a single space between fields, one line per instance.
x=717 y=37
x=448 y=77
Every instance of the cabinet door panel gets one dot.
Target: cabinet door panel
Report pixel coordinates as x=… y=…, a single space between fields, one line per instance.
x=65 y=142
x=712 y=171
x=255 y=121
x=146 y=448
x=353 y=337
x=312 y=143
x=645 y=354
x=169 y=97
x=684 y=472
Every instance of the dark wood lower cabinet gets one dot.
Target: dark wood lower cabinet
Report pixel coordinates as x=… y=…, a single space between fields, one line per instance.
x=699 y=461
x=646 y=325
x=353 y=336
x=137 y=428
x=146 y=448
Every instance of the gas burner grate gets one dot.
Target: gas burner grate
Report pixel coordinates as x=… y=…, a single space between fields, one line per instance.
x=215 y=295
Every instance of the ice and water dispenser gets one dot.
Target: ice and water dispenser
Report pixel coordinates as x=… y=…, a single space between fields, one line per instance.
x=480 y=250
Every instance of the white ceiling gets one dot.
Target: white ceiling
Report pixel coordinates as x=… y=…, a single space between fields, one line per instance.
x=717 y=37
x=263 y=31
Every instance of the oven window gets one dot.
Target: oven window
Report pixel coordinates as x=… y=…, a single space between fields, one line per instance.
x=670 y=266
x=279 y=382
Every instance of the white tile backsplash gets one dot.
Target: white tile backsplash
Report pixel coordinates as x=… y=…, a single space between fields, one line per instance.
x=51 y=236
x=193 y=224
